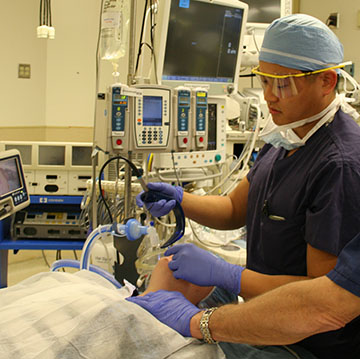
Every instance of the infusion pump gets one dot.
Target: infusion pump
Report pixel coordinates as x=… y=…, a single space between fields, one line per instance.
x=137 y=118
x=152 y=125
x=153 y=118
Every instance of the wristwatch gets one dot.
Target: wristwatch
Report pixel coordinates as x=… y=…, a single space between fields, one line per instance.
x=204 y=326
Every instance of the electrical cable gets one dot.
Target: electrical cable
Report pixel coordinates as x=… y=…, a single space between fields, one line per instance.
x=46 y=12
x=58 y=256
x=239 y=161
x=116 y=185
x=50 y=16
x=175 y=171
x=45 y=259
x=188 y=179
x=254 y=38
x=152 y=28
x=150 y=161
x=169 y=225
x=40 y=12
x=132 y=166
x=43 y=12
x=247 y=75
x=209 y=243
x=247 y=150
x=252 y=146
x=141 y=36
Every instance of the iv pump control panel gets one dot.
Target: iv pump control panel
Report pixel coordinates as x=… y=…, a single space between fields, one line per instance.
x=119 y=114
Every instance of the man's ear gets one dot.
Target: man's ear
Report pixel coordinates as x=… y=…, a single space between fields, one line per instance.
x=329 y=81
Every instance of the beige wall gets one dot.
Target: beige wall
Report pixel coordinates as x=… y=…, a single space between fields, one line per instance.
x=57 y=103
x=348 y=32
x=47 y=133
x=22 y=100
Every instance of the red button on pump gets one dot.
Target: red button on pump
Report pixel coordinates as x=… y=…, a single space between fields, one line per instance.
x=119 y=142
x=201 y=139
x=185 y=140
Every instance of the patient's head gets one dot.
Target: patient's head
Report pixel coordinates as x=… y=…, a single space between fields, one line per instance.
x=162 y=278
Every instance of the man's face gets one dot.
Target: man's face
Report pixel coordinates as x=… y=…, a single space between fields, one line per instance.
x=307 y=102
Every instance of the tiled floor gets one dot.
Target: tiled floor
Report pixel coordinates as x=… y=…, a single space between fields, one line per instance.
x=27 y=263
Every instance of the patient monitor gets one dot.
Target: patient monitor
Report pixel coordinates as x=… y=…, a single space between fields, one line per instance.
x=13 y=191
x=200 y=43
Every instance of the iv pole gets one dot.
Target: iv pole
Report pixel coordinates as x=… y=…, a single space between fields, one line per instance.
x=130 y=81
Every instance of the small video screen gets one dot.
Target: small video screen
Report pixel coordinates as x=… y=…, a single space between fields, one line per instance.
x=9 y=176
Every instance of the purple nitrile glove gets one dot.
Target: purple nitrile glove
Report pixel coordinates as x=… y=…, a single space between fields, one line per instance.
x=203 y=268
x=162 y=207
x=171 y=308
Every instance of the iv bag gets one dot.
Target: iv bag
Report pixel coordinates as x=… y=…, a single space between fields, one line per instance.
x=115 y=19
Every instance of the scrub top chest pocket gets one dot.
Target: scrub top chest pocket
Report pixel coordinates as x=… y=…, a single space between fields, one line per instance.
x=282 y=245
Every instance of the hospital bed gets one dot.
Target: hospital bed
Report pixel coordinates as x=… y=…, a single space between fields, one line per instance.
x=80 y=315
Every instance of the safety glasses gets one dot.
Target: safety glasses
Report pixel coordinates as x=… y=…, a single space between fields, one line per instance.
x=285 y=86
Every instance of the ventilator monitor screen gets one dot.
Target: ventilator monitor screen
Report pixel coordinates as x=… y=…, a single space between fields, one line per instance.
x=9 y=176
x=52 y=155
x=13 y=192
x=81 y=156
x=25 y=151
x=203 y=42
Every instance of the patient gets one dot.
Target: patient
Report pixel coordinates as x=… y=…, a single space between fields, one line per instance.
x=82 y=315
x=162 y=278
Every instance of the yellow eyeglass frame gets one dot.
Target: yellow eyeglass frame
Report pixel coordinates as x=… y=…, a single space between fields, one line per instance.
x=284 y=86
x=256 y=71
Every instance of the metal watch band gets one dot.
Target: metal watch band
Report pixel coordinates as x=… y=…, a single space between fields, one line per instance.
x=204 y=326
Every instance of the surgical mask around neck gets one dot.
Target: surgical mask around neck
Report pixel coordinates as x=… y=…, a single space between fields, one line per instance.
x=284 y=136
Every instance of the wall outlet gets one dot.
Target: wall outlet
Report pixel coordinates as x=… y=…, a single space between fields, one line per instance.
x=24 y=71
x=333 y=20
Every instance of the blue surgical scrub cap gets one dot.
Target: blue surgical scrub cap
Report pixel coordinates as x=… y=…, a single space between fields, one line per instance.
x=301 y=42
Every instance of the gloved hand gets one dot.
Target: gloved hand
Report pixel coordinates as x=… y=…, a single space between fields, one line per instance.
x=203 y=268
x=162 y=207
x=171 y=308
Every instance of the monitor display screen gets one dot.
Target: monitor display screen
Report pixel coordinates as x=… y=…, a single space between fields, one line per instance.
x=152 y=111
x=52 y=155
x=25 y=152
x=81 y=156
x=202 y=42
x=9 y=176
x=263 y=11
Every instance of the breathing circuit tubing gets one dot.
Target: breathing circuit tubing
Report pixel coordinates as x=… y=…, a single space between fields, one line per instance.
x=71 y=263
x=132 y=230
x=150 y=196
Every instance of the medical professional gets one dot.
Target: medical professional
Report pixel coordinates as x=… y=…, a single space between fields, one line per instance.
x=298 y=310
x=301 y=198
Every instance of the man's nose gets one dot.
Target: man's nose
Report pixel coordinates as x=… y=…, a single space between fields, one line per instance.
x=269 y=95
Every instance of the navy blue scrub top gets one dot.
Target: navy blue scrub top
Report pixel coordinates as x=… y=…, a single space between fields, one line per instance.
x=347 y=270
x=311 y=197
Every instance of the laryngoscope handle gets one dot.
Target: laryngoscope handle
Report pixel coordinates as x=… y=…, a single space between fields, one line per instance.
x=154 y=196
